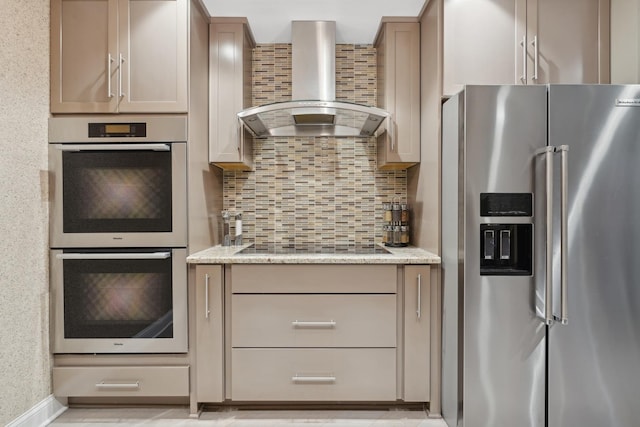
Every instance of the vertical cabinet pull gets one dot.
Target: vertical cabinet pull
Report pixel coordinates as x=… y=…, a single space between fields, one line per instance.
x=523 y=44
x=109 y=61
x=240 y=138
x=206 y=296
x=419 y=309
x=120 y=93
x=534 y=43
x=391 y=133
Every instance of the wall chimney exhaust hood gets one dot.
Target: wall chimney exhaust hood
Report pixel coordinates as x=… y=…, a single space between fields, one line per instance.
x=313 y=110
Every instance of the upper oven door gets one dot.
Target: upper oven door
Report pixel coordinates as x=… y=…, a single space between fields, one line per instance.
x=111 y=193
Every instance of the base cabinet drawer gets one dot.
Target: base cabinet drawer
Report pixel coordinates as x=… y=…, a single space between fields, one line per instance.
x=314 y=279
x=111 y=381
x=319 y=374
x=313 y=320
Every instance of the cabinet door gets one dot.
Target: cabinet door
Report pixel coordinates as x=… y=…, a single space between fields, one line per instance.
x=572 y=41
x=398 y=51
x=230 y=144
x=483 y=43
x=84 y=48
x=153 y=56
x=209 y=335
x=417 y=361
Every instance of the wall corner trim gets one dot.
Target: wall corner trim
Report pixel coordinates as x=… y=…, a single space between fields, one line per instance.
x=41 y=414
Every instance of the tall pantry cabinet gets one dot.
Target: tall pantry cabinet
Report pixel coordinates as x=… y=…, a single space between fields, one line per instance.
x=119 y=56
x=525 y=42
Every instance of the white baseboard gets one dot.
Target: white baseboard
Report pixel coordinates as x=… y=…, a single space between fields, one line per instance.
x=41 y=414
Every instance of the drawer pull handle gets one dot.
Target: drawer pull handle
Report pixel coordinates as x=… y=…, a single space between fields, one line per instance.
x=313 y=379
x=313 y=325
x=119 y=386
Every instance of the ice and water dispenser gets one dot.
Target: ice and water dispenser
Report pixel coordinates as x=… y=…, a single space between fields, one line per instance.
x=506 y=249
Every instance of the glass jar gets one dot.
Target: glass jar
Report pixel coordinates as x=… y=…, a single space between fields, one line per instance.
x=404 y=214
x=387 y=212
x=396 y=215
x=404 y=235
x=385 y=234
x=397 y=240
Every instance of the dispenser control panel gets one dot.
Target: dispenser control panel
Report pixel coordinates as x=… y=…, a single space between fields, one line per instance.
x=506 y=204
x=506 y=249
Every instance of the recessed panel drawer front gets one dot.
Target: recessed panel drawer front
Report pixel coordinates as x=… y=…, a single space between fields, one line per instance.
x=313 y=374
x=308 y=278
x=313 y=320
x=121 y=381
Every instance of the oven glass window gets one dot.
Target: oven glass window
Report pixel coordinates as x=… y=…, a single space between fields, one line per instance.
x=116 y=191
x=118 y=298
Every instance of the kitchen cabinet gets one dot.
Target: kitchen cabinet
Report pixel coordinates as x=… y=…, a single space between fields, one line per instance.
x=524 y=42
x=398 y=73
x=209 y=346
x=119 y=56
x=230 y=54
x=313 y=332
x=625 y=41
x=417 y=326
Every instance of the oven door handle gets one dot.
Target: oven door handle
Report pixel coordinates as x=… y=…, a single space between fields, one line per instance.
x=113 y=147
x=148 y=255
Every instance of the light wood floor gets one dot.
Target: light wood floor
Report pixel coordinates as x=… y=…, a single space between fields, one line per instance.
x=179 y=417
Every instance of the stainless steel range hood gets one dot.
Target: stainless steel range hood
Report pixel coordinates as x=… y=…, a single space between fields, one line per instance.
x=313 y=110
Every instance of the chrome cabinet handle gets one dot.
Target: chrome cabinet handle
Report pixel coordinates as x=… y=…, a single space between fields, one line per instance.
x=147 y=255
x=109 y=61
x=110 y=386
x=523 y=44
x=120 y=93
x=313 y=379
x=206 y=296
x=391 y=133
x=240 y=137
x=534 y=43
x=301 y=324
x=419 y=309
x=113 y=147
x=564 y=227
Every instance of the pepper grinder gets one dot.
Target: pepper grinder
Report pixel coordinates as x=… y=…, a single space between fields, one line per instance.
x=238 y=229
x=226 y=229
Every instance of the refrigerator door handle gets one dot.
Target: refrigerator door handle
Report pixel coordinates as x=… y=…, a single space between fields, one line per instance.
x=548 y=285
x=564 y=214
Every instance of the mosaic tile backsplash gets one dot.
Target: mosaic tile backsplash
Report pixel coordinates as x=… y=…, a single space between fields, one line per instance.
x=318 y=190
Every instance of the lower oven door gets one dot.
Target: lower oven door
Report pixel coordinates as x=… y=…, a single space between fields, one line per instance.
x=119 y=301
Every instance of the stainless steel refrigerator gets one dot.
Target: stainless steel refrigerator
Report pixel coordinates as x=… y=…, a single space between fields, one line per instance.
x=541 y=256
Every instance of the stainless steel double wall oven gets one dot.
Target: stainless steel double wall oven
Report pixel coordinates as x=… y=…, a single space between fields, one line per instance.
x=118 y=232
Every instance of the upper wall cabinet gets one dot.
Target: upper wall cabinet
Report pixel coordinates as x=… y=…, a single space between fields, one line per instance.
x=119 y=56
x=525 y=42
x=230 y=54
x=398 y=50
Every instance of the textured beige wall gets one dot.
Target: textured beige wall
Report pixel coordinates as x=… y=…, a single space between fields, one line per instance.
x=24 y=106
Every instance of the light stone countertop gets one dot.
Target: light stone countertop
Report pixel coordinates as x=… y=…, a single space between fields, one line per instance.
x=229 y=255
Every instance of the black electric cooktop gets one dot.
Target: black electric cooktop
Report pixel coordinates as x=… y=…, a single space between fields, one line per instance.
x=268 y=249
